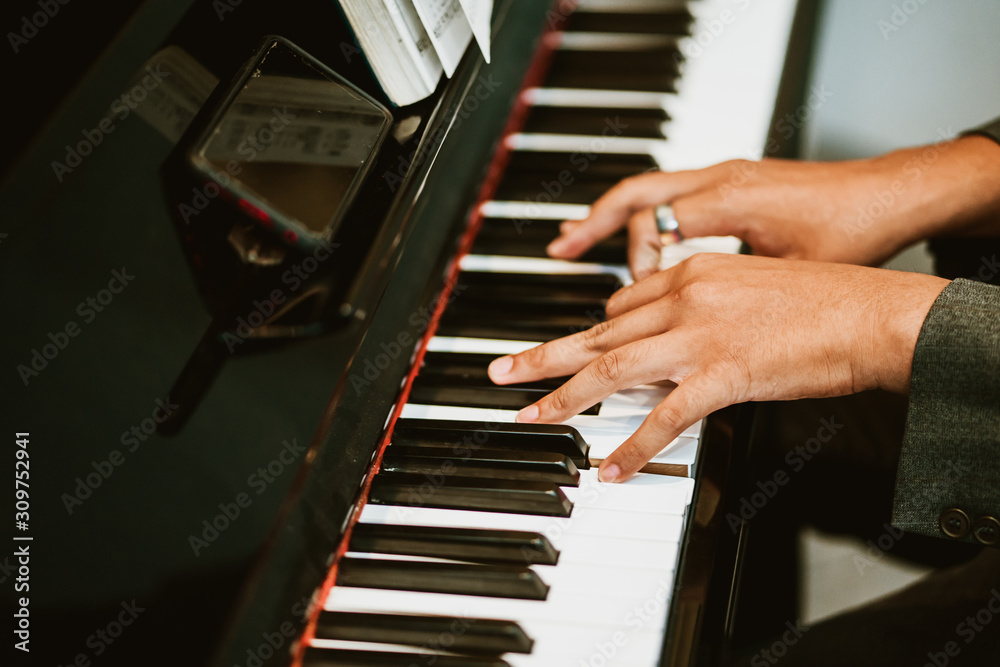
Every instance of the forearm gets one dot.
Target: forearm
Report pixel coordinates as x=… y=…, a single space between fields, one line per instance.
x=946 y=189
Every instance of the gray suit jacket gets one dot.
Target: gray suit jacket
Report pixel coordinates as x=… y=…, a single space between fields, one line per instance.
x=948 y=481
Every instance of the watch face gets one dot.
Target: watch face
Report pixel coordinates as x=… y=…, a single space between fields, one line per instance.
x=292 y=142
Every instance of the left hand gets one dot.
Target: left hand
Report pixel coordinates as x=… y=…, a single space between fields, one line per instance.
x=728 y=329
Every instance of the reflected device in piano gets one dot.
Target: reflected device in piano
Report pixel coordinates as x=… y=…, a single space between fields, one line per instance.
x=419 y=524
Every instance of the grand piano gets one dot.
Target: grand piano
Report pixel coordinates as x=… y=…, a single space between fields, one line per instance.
x=342 y=485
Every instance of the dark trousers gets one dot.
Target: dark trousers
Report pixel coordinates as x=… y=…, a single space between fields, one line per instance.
x=839 y=457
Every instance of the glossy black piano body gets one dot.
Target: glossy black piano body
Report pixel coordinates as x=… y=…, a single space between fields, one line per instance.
x=222 y=532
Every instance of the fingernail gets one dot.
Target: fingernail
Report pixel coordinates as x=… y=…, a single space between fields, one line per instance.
x=527 y=415
x=609 y=473
x=500 y=367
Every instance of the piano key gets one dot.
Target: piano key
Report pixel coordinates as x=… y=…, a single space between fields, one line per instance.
x=517 y=209
x=621 y=414
x=607 y=168
x=486 y=495
x=646 y=123
x=468 y=635
x=465 y=437
x=468 y=544
x=580 y=606
x=501 y=581
x=488 y=463
x=596 y=522
x=527 y=287
x=444 y=391
x=610 y=70
x=540 y=266
x=329 y=657
x=669 y=21
x=609 y=99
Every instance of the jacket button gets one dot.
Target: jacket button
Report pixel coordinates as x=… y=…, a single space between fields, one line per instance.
x=986 y=529
x=955 y=523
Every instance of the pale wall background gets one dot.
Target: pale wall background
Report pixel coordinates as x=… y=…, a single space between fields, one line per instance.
x=939 y=71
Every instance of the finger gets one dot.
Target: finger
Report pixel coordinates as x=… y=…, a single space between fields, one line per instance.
x=636 y=363
x=708 y=212
x=693 y=399
x=565 y=356
x=644 y=244
x=640 y=293
x=612 y=211
x=567 y=226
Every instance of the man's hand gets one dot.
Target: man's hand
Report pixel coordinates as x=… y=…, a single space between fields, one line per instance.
x=728 y=329
x=857 y=212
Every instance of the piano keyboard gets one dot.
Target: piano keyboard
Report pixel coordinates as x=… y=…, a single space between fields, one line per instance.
x=485 y=542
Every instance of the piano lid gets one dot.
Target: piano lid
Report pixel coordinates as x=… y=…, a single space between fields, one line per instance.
x=104 y=313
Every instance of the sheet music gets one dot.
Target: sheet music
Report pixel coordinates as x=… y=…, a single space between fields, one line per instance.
x=479 y=13
x=448 y=29
x=407 y=22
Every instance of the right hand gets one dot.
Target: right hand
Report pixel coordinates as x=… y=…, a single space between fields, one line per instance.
x=857 y=212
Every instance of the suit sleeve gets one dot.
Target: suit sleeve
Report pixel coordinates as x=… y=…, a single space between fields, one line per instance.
x=948 y=480
x=991 y=130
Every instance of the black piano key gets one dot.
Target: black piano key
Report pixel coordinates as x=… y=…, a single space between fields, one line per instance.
x=495 y=581
x=330 y=657
x=468 y=544
x=468 y=635
x=642 y=123
x=470 y=493
x=668 y=22
x=487 y=324
x=491 y=398
x=529 y=238
x=470 y=368
x=515 y=187
x=609 y=167
x=596 y=285
x=462 y=379
x=464 y=437
x=487 y=463
x=653 y=70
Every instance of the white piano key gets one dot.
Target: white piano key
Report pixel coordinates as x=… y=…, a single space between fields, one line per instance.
x=582 y=143
x=604 y=432
x=526 y=210
x=607 y=524
x=582 y=606
x=584 y=97
x=479 y=345
x=501 y=264
x=649 y=493
x=610 y=41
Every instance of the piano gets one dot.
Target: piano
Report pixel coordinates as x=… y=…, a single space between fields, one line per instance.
x=354 y=491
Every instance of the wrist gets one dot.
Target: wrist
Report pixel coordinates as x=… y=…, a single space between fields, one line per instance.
x=902 y=307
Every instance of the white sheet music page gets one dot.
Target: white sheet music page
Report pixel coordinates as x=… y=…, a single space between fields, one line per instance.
x=404 y=16
x=448 y=29
x=479 y=13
